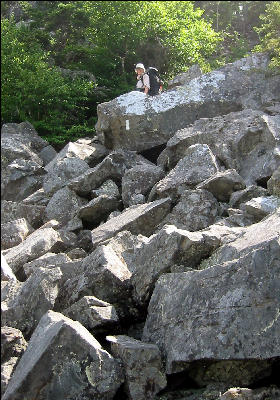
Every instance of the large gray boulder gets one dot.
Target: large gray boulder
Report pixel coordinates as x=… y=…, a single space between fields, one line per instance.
x=113 y=167
x=247 y=141
x=63 y=360
x=34 y=298
x=198 y=164
x=195 y=210
x=144 y=374
x=138 y=122
x=206 y=315
x=139 y=219
x=35 y=245
x=63 y=207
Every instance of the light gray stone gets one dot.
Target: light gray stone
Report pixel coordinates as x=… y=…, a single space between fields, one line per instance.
x=144 y=374
x=34 y=246
x=63 y=360
x=39 y=197
x=6 y=271
x=139 y=180
x=261 y=207
x=93 y=314
x=206 y=315
x=140 y=219
x=242 y=196
x=138 y=122
x=45 y=261
x=195 y=210
x=247 y=141
x=198 y=164
x=63 y=207
x=14 y=233
x=113 y=167
x=109 y=188
x=185 y=77
x=36 y=296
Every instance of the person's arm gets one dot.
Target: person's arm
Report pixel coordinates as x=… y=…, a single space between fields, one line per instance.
x=146 y=83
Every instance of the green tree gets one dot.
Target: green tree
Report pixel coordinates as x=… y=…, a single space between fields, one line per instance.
x=33 y=90
x=270 y=33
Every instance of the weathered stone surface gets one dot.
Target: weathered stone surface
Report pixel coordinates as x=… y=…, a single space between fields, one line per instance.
x=139 y=180
x=36 y=296
x=61 y=173
x=161 y=251
x=273 y=184
x=112 y=167
x=98 y=209
x=63 y=207
x=223 y=184
x=135 y=121
x=195 y=210
x=77 y=253
x=245 y=141
x=207 y=314
x=6 y=271
x=198 y=164
x=140 y=219
x=261 y=207
x=39 y=197
x=109 y=188
x=104 y=275
x=45 y=261
x=13 y=345
x=144 y=374
x=47 y=154
x=81 y=151
x=34 y=246
x=93 y=314
x=14 y=232
x=11 y=210
x=21 y=179
x=242 y=196
x=63 y=360
x=182 y=79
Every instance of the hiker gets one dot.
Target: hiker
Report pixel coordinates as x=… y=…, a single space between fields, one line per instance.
x=143 y=80
x=148 y=81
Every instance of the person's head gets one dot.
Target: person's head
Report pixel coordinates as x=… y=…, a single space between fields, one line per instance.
x=139 y=68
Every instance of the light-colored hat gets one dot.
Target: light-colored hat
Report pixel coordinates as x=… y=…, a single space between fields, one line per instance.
x=139 y=65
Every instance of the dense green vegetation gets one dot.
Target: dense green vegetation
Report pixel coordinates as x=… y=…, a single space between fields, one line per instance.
x=61 y=58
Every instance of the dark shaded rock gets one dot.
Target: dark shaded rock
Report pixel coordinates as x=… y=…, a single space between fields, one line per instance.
x=47 y=154
x=273 y=184
x=144 y=374
x=223 y=184
x=63 y=360
x=98 y=209
x=11 y=210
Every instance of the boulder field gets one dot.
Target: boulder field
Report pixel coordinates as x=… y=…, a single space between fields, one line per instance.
x=144 y=262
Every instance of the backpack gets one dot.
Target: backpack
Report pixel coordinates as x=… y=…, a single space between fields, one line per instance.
x=155 y=81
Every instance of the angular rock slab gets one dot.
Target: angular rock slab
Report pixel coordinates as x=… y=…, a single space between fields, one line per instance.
x=138 y=122
x=228 y=311
x=14 y=233
x=247 y=141
x=140 y=219
x=11 y=210
x=198 y=165
x=142 y=364
x=64 y=361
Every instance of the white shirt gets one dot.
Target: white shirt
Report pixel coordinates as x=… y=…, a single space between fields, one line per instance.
x=146 y=81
